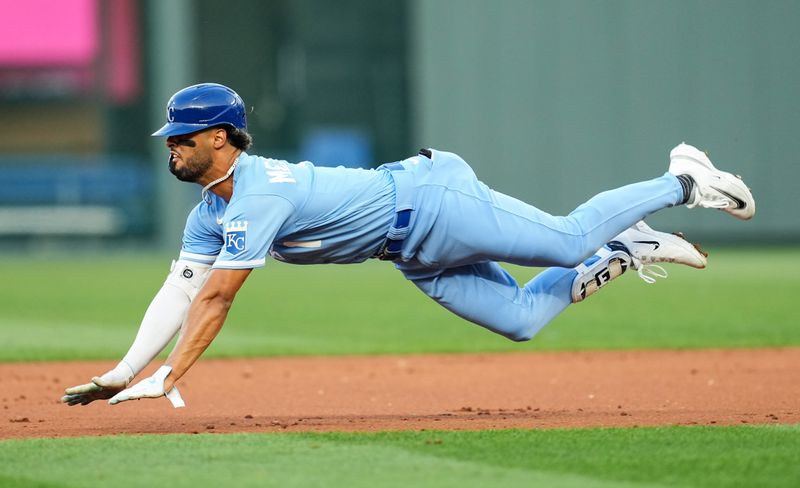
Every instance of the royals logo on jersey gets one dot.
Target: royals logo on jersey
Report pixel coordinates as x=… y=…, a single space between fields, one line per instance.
x=236 y=237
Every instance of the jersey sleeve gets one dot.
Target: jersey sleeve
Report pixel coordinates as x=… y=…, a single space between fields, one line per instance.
x=202 y=240
x=250 y=226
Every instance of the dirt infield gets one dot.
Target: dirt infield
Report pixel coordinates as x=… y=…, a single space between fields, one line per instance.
x=452 y=392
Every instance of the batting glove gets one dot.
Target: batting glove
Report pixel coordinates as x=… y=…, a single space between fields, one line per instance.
x=101 y=387
x=152 y=387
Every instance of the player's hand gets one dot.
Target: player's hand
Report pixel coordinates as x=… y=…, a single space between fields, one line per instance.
x=101 y=388
x=152 y=387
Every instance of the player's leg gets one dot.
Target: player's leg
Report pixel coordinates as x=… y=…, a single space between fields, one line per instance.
x=488 y=296
x=490 y=226
x=476 y=224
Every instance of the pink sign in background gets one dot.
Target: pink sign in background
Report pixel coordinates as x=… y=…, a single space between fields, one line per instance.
x=48 y=32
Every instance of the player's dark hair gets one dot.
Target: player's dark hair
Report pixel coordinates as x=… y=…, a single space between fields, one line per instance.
x=239 y=138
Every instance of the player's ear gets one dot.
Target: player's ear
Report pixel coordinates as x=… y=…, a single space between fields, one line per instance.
x=220 y=138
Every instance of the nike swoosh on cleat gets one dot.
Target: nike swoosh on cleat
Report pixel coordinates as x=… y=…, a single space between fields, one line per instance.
x=739 y=203
x=654 y=243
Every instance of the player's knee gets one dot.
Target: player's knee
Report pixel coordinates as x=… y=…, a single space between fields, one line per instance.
x=522 y=336
x=522 y=331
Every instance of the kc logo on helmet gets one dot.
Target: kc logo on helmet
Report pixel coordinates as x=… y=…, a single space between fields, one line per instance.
x=236 y=237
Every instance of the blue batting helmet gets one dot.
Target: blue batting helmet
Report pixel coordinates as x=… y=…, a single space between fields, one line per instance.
x=199 y=107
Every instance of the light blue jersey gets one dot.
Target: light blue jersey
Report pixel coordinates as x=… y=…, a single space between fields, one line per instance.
x=298 y=213
x=458 y=231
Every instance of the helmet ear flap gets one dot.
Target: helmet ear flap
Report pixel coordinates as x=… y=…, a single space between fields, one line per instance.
x=199 y=107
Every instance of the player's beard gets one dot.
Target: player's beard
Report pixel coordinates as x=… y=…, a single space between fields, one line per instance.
x=193 y=167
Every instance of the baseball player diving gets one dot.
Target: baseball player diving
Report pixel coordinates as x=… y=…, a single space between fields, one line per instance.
x=428 y=214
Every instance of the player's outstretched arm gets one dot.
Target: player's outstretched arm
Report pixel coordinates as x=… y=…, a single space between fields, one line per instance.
x=161 y=322
x=206 y=316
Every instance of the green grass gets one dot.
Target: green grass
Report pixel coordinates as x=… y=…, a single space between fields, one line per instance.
x=83 y=310
x=91 y=309
x=744 y=456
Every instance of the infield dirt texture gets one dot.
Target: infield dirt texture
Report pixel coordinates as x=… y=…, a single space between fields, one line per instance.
x=712 y=347
x=413 y=392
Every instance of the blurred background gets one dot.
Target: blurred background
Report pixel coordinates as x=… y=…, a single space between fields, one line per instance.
x=550 y=101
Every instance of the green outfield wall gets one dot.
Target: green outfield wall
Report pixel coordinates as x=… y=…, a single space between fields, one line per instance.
x=552 y=101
